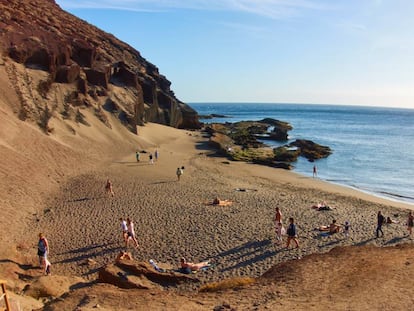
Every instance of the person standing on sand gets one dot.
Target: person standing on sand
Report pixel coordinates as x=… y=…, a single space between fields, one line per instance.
x=131 y=233
x=347 y=226
x=278 y=225
x=137 y=156
x=278 y=215
x=291 y=232
x=151 y=160
x=280 y=231
x=410 y=222
x=315 y=171
x=179 y=172
x=42 y=251
x=108 y=188
x=380 y=222
x=124 y=228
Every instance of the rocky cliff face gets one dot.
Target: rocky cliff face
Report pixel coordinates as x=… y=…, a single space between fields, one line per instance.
x=68 y=65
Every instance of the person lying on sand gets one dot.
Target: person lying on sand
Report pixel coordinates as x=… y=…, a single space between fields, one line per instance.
x=218 y=201
x=184 y=264
x=322 y=207
x=332 y=228
x=390 y=221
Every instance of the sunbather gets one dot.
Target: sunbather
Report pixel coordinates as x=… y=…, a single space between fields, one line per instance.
x=322 y=207
x=218 y=201
x=332 y=228
x=193 y=266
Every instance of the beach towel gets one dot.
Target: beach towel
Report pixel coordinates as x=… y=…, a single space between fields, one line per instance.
x=155 y=266
x=207 y=267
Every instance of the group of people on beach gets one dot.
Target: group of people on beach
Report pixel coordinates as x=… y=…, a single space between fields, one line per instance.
x=332 y=228
x=151 y=156
x=291 y=231
x=381 y=220
x=155 y=156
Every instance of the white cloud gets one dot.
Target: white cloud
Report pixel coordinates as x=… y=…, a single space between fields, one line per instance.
x=274 y=9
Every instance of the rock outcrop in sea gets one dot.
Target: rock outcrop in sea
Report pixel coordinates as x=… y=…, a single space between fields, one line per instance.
x=242 y=141
x=68 y=65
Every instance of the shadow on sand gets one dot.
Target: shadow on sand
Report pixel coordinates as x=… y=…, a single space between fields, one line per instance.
x=252 y=252
x=84 y=199
x=92 y=251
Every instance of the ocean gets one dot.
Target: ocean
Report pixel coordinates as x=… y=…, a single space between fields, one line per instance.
x=373 y=147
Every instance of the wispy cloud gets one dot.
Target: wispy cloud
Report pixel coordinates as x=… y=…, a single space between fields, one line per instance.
x=275 y=9
x=352 y=27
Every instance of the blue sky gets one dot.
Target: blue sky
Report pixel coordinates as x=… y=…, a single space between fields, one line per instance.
x=354 y=52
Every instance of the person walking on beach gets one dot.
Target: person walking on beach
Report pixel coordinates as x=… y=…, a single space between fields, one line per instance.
x=278 y=225
x=131 y=233
x=315 y=171
x=410 y=223
x=280 y=232
x=151 y=160
x=108 y=188
x=137 y=155
x=42 y=251
x=278 y=215
x=347 y=226
x=380 y=222
x=292 y=234
x=179 y=172
x=124 y=228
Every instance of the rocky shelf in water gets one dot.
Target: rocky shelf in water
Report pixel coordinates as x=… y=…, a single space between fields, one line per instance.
x=240 y=142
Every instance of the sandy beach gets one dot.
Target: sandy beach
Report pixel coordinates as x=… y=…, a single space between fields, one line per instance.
x=61 y=193
x=173 y=218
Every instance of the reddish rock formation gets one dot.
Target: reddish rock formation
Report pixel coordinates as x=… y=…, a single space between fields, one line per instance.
x=132 y=274
x=43 y=37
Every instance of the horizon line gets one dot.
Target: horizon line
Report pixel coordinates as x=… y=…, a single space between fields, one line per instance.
x=299 y=103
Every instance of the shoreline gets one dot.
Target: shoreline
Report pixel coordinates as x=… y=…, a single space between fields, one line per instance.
x=381 y=195
x=385 y=179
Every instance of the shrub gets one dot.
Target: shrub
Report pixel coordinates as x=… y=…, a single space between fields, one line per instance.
x=45 y=116
x=44 y=87
x=227 y=284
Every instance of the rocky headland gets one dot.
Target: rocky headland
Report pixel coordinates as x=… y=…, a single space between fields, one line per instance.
x=242 y=141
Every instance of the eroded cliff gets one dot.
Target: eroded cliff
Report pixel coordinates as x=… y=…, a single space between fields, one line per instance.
x=68 y=65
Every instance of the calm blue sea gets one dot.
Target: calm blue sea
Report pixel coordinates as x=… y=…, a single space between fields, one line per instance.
x=373 y=148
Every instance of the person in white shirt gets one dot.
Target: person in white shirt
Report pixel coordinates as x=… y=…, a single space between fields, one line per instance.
x=124 y=229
